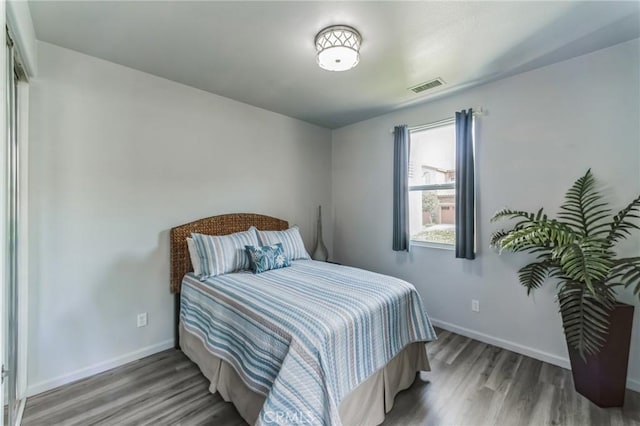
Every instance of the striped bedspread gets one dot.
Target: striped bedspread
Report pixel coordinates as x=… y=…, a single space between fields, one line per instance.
x=306 y=335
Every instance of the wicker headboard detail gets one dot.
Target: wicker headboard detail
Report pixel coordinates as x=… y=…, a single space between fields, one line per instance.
x=215 y=225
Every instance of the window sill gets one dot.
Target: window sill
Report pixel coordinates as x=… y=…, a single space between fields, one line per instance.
x=425 y=244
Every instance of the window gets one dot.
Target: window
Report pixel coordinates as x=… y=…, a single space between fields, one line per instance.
x=432 y=193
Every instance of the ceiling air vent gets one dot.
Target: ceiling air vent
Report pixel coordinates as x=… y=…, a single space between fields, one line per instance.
x=428 y=85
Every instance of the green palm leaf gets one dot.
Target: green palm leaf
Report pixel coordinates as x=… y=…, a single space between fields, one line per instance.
x=533 y=275
x=627 y=272
x=585 y=318
x=525 y=217
x=540 y=233
x=583 y=208
x=621 y=226
x=497 y=236
x=588 y=261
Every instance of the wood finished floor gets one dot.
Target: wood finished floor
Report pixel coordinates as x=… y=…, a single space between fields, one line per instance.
x=471 y=384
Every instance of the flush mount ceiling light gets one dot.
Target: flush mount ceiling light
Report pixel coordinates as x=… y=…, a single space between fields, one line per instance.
x=338 y=48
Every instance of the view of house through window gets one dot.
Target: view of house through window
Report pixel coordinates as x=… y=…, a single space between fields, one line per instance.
x=432 y=196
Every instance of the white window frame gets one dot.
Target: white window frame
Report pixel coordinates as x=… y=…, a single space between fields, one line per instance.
x=432 y=187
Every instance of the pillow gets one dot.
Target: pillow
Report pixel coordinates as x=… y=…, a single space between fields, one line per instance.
x=221 y=254
x=195 y=259
x=290 y=239
x=266 y=258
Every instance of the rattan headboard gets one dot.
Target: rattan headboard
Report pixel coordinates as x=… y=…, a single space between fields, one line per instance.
x=215 y=225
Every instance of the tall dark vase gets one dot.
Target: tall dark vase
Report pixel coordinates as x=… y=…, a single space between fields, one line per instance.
x=320 y=252
x=603 y=377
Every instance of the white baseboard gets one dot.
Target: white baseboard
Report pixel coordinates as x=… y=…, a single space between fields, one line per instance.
x=632 y=384
x=100 y=367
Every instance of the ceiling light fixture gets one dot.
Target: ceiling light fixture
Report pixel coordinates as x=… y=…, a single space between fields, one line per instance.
x=338 y=48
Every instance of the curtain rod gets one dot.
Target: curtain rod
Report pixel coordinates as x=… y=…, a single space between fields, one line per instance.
x=476 y=113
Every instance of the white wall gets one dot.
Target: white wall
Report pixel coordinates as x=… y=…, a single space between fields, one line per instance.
x=543 y=130
x=118 y=157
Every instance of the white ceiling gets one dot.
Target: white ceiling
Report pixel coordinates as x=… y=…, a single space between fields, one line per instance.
x=262 y=53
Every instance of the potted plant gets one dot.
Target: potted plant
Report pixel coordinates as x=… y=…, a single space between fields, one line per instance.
x=577 y=250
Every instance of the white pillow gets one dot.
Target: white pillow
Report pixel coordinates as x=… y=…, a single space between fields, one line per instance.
x=221 y=254
x=193 y=254
x=291 y=242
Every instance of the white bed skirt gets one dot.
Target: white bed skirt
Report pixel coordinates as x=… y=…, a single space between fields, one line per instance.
x=364 y=406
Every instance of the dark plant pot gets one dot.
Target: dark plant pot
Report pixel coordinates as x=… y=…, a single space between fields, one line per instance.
x=603 y=377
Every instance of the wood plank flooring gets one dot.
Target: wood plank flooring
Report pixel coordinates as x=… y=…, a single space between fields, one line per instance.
x=472 y=384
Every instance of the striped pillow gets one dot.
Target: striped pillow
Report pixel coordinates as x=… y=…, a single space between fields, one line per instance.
x=290 y=239
x=221 y=254
x=193 y=255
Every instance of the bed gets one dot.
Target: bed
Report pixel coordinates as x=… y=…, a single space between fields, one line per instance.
x=313 y=343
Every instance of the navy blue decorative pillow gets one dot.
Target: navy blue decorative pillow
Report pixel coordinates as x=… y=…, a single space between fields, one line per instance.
x=266 y=258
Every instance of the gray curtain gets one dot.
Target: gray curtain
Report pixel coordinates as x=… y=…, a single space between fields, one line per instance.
x=465 y=186
x=401 y=188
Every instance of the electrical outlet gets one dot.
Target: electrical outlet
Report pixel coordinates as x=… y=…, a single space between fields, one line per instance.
x=142 y=319
x=475 y=305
